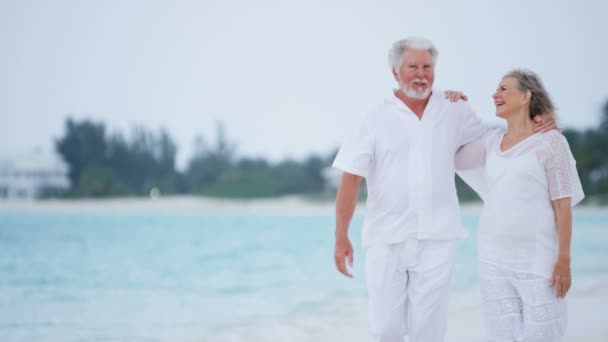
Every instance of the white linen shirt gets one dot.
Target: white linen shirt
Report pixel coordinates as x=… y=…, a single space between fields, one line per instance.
x=408 y=165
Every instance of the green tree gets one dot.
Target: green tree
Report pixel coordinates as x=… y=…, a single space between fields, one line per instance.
x=209 y=163
x=82 y=145
x=104 y=165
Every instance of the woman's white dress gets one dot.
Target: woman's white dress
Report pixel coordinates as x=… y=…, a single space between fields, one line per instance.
x=517 y=236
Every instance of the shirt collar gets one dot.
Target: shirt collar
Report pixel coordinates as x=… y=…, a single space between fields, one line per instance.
x=393 y=99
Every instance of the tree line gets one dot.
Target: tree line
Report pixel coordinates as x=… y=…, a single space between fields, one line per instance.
x=105 y=164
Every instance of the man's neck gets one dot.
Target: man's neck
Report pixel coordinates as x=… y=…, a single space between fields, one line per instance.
x=416 y=105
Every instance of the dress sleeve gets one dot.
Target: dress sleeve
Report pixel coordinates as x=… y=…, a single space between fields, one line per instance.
x=471 y=126
x=560 y=167
x=471 y=155
x=470 y=162
x=356 y=154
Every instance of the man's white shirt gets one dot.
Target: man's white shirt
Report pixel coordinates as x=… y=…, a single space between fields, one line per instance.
x=408 y=164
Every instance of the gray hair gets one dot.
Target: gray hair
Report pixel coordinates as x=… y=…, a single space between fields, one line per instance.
x=540 y=101
x=395 y=53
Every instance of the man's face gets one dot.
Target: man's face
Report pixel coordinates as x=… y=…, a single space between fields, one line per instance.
x=416 y=74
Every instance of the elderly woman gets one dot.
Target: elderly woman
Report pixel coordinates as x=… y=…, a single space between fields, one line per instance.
x=529 y=183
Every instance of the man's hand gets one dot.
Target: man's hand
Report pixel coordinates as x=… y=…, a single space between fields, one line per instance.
x=455 y=96
x=343 y=250
x=544 y=123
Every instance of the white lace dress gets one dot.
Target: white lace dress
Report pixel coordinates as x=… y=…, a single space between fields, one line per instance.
x=517 y=236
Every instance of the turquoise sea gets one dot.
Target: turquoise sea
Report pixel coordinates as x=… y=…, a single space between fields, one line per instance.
x=69 y=275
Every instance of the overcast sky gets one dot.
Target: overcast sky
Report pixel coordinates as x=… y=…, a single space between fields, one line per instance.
x=287 y=78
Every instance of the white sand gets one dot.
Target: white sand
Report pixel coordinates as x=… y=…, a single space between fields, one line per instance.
x=187 y=203
x=587 y=314
x=346 y=320
x=281 y=205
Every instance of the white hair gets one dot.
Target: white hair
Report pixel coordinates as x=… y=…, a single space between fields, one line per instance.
x=395 y=53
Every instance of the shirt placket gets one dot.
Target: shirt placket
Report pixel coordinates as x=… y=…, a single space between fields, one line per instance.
x=420 y=173
x=416 y=172
x=425 y=223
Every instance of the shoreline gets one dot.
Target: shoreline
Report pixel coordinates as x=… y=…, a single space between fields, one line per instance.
x=287 y=204
x=293 y=204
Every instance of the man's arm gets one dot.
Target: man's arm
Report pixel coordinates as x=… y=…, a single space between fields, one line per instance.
x=471 y=155
x=544 y=123
x=346 y=201
x=470 y=162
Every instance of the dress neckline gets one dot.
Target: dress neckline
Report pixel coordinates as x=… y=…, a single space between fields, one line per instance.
x=519 y=143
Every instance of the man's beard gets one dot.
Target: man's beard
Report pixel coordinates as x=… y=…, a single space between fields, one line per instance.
x=413 y=93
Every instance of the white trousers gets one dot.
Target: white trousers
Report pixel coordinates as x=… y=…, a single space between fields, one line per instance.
x=408 y=286
x=520 y=306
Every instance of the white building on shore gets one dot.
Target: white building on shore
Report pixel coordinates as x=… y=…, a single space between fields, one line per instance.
x=26 y=176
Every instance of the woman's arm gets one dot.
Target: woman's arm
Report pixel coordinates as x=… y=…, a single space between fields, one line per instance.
x=561 y=273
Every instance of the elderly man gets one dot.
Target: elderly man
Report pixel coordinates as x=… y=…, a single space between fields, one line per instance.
x=405 y=150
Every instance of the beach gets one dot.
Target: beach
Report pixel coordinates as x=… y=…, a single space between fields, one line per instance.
x=203 y=269
x=587 y=314
x=277 y=206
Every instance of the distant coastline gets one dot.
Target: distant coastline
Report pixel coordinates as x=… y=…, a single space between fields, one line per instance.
x=293 y=204
x=186 y=203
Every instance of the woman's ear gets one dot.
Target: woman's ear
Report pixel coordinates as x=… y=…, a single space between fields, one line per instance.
x=527 y=97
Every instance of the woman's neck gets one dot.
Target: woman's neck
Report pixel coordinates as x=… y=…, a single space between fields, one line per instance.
x=519 y=126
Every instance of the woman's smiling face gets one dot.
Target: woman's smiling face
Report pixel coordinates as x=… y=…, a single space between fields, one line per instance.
x=508 y=99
